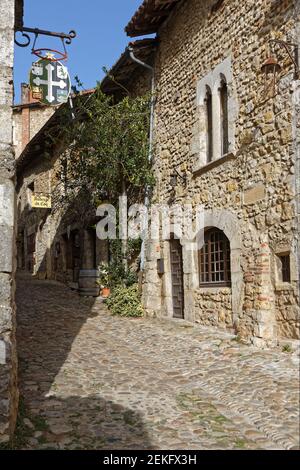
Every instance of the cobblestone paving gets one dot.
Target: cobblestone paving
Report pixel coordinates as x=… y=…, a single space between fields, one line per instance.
x=91 y=381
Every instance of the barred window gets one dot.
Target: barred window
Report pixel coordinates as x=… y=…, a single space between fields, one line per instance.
x=214 y=259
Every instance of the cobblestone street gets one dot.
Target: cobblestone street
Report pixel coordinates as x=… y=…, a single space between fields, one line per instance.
x=90 y=381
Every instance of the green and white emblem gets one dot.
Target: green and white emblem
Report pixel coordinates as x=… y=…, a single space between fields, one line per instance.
x=50 y=82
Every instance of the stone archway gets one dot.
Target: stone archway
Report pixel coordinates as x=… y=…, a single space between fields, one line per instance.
x=228 y=223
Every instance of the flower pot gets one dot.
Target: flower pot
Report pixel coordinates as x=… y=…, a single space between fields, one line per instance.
x=105 y=292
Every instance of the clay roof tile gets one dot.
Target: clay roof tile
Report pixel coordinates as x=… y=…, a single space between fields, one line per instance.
x=150 y=16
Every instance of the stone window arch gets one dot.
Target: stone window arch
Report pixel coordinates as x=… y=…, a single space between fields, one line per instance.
x=224 y=110
x=214 y=259
x=228 y=223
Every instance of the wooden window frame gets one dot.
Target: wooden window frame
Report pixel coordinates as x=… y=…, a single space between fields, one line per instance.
x=214 y=253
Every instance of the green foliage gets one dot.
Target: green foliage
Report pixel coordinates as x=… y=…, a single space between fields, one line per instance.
x=104 y=280
x=287 y=348
x=240 y=444
x=130 y=418
x=119 y=274
x=125 y=302
x=107 y=147
x=104 y=153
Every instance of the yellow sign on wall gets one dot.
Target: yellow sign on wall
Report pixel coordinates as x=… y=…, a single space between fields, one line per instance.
x=41 y=201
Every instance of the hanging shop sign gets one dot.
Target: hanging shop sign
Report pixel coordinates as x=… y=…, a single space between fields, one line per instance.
x=50 y=81
x=49 y=78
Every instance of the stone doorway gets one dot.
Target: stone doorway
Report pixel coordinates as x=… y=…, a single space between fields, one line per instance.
x=177 y=278
x=74 y=255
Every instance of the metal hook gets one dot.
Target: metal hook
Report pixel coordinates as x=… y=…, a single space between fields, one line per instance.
x=72 y=35
x=20 y=44
x=292 y=51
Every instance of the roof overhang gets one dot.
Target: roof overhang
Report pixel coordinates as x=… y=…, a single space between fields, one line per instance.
x=150 y=16
x=123 y=72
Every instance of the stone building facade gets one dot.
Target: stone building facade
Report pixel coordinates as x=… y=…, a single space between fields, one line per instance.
x=53 y=242
x=227 y=140
x=11 y=13
x=28 y=118
x=59 y=241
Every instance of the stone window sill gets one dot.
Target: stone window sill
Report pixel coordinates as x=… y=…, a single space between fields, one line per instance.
x=213 y=290
x=200 y=170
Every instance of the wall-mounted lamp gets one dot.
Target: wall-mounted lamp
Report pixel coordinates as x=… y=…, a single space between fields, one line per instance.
x=292 y=51
x=271 y=68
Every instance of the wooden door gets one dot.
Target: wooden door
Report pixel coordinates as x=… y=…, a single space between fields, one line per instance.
x=76 y=255
x=177 y=278
x=21 y=250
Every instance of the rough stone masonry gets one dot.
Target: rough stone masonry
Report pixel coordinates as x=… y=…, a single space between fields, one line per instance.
x=249 y=191
x=8 y=360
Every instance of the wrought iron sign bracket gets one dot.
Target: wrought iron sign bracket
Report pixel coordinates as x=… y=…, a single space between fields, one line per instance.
x=292 y=51
x=66 y=38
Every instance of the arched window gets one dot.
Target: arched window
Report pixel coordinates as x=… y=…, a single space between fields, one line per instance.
x=214 y=259
x=224 y=116
x=209 y=124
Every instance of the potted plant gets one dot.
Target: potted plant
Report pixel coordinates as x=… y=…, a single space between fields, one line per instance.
x=104 y=280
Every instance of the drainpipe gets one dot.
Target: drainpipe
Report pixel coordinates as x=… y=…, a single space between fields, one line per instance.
x=151 y=135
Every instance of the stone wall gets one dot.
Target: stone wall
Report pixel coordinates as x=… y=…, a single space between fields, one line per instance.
x=34 y=221
x=8 y=357
x=214 y=307
x=287 y=312
x=255 y=182
x=28 y=118
x=27 y=122
x=42 y=223
x=53 y=227
x=296 y=140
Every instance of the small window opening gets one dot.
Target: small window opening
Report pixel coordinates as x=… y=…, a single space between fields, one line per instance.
x=224 y=116
x=209 y=118
x=285 y=267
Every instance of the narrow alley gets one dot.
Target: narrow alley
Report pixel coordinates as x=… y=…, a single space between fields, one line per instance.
x=92 y=381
